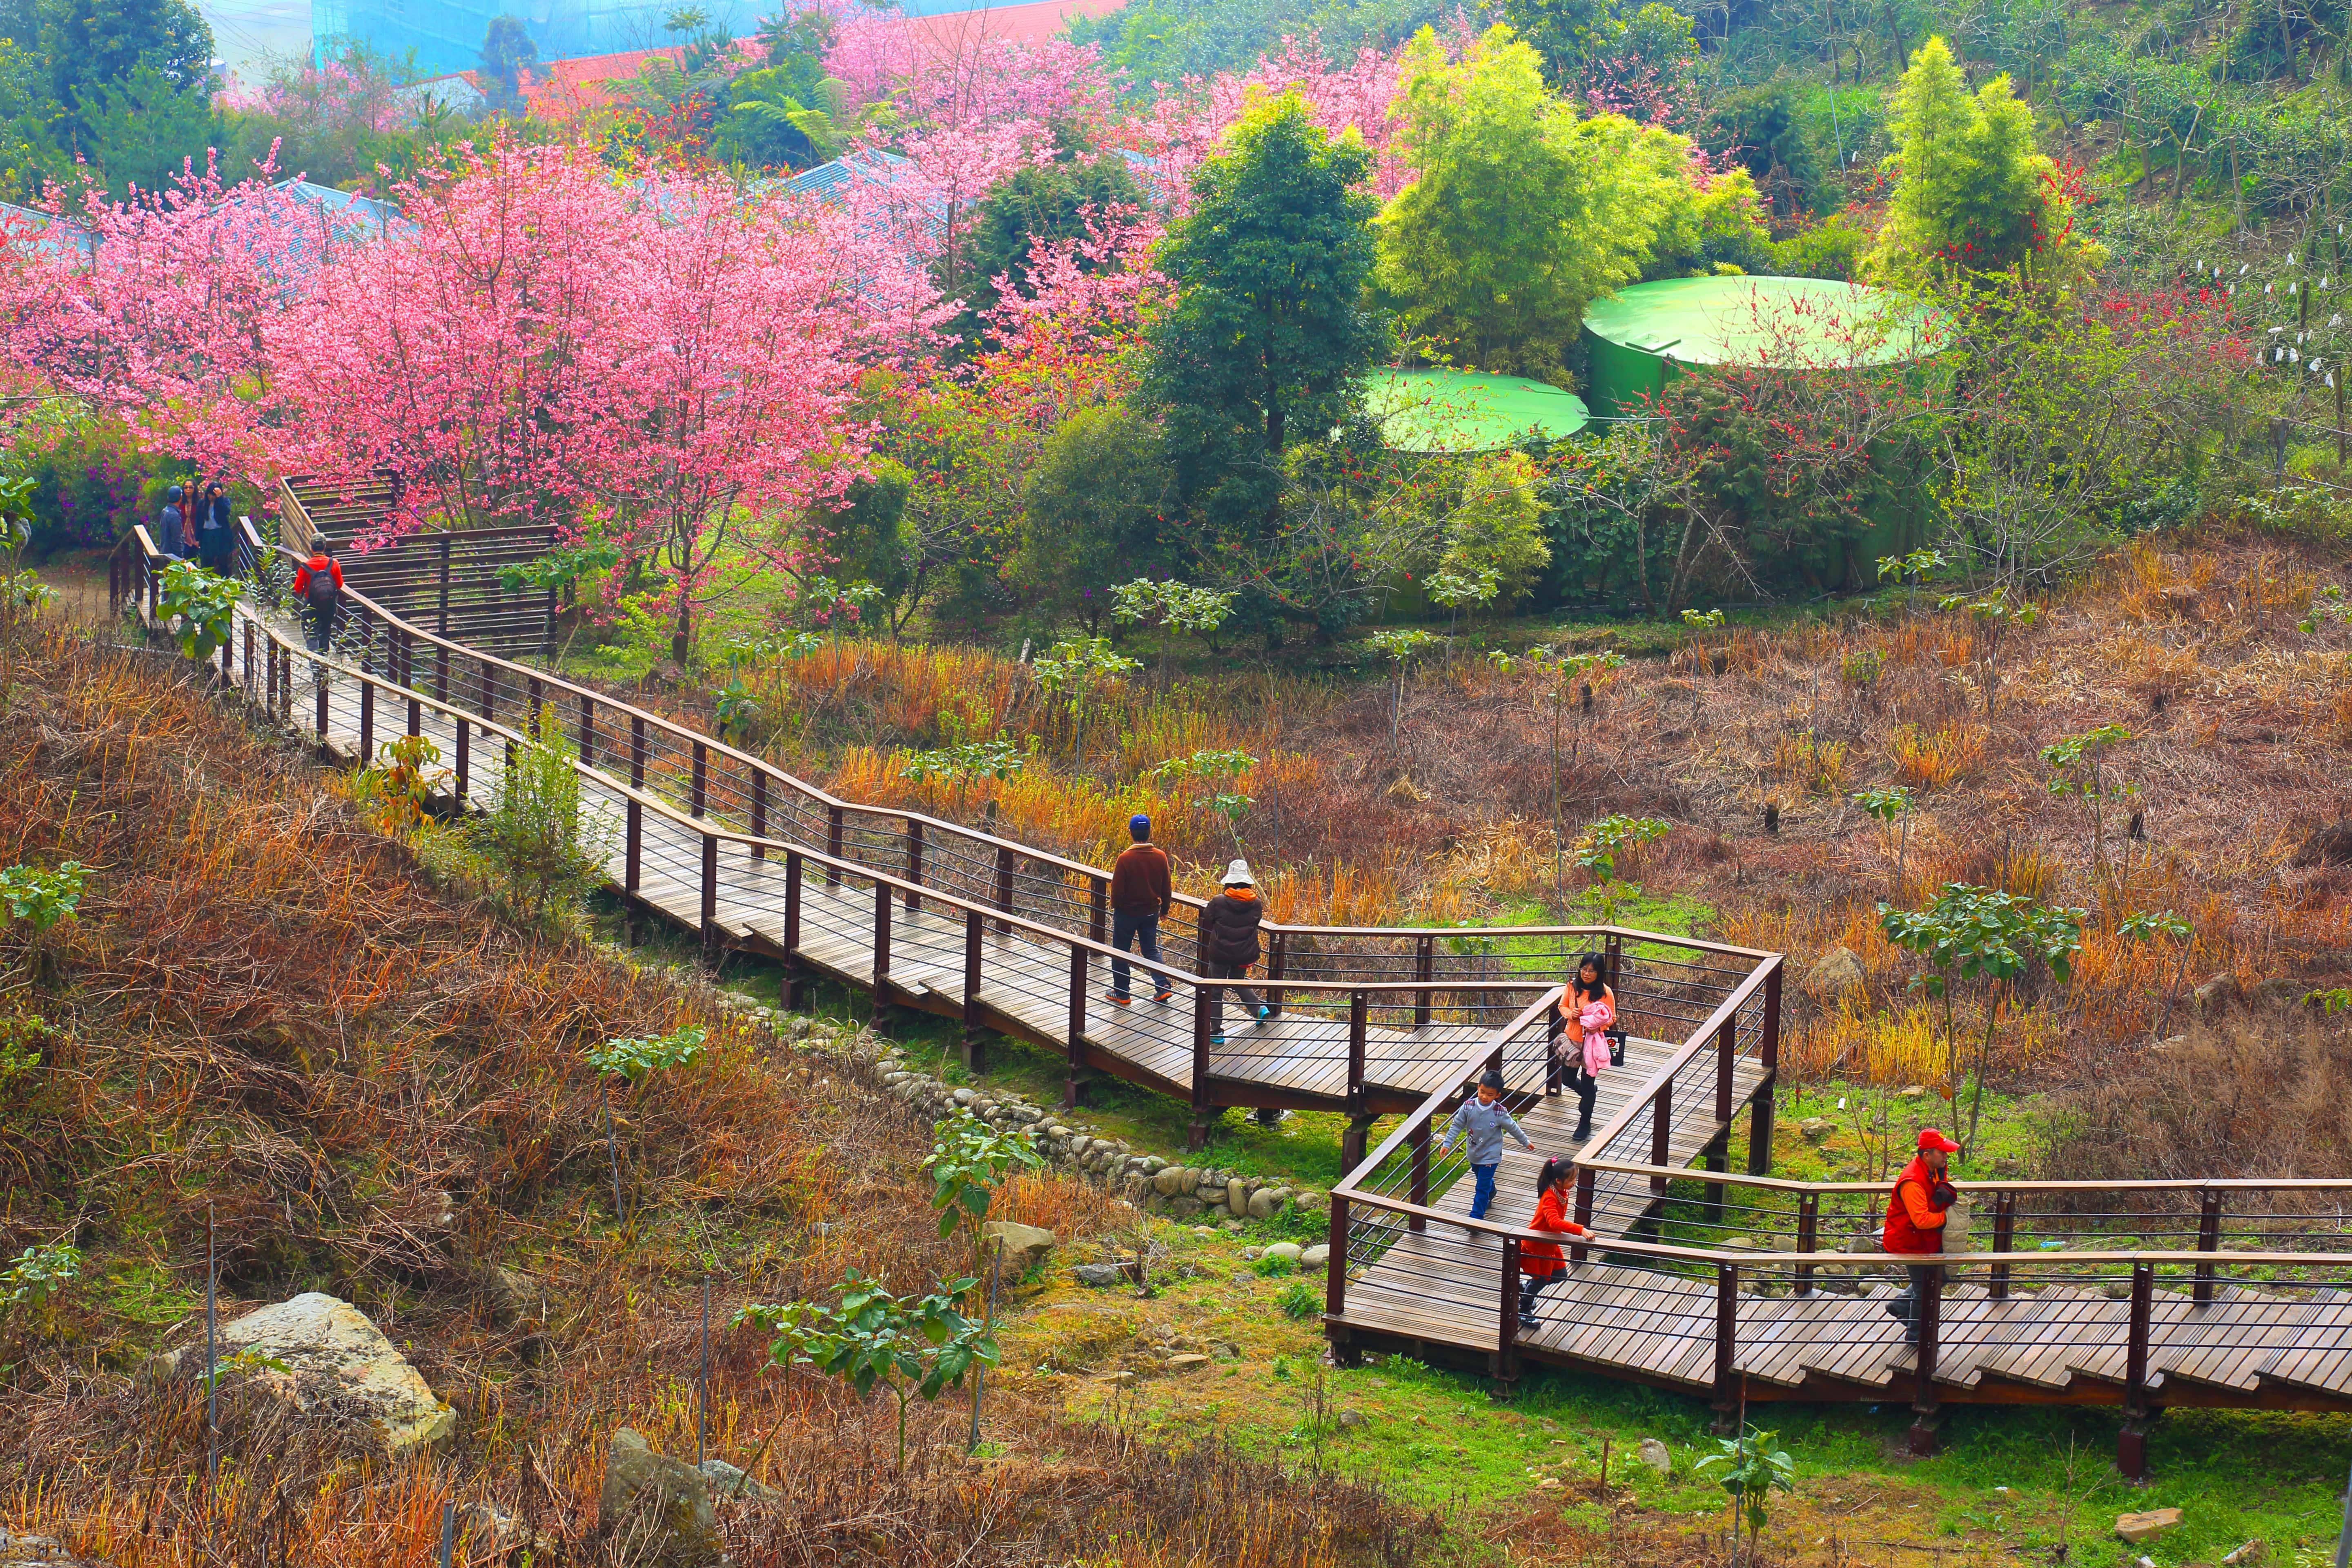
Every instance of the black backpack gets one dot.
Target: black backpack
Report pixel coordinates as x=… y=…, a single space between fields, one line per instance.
x=323 y=592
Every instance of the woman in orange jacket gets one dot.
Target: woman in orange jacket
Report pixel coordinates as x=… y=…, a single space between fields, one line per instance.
x=1541 y=1261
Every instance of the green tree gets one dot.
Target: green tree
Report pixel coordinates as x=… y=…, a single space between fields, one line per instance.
x=1497 y=527
x=1039 y=203
x=1972 y=191
x=969 y=1161
x=1074 y=670
x=1268 y=337
x=1094 y=513
x=507 y=50
x=535 y=839
x=787 y=111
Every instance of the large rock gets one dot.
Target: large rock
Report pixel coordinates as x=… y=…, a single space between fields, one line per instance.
x=1264 y=1204
x=1237 y=1197
x=657 y=1506
x=2137 y=1528
x=1026 y=1246
x=1098 y=1274
x=1288 y=1251
x=338 y=1362
x=1314 y=1256
x=2221 y=991
x=1171 y=1180
x=727 y=1483
x=1837 y=973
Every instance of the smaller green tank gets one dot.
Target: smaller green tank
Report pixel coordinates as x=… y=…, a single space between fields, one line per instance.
x=1468 y=411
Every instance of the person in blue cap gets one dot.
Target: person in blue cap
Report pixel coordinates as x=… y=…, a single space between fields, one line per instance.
x=1142 y=890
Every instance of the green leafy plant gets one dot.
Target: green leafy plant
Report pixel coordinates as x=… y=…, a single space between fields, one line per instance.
x=1974 y=933
x=2150 y=926
x=2337 y=999
x=21 y=1037
x=2078 y=769
x=1992 y=618
x=535 y=839
x=1172 y=606
x=1074 y=668
x=1892 y=805
x=1696 y=624
x=1597 y=849
x=2330 y=603
x=37 y=900
x=402 y=782
x=1567 y=673
x=22 y=591
x=1404 y=647
x=735 y=708
x=29 y=1286
x=1221 y=771
x=205 y=604
x=969 y=1161
x=1751 y=1470
x=965 y=759
x=250 y=1362
x=1299 y=1300
x=916 y=1347
x=1862 y=667
x=633 y=1061
x=1273 y=1266
x=1911 y=571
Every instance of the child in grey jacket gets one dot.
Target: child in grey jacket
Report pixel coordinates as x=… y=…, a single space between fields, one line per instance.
x=1480 y=1123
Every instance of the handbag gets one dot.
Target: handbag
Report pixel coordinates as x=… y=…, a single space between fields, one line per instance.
x=1616 y=1048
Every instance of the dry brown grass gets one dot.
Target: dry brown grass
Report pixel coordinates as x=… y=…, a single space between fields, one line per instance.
x=266 y=1010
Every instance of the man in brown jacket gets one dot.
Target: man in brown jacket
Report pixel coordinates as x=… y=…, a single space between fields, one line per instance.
x=1141 y=890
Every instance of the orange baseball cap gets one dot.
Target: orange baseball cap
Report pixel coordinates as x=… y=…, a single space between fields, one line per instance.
x=1931 y=1139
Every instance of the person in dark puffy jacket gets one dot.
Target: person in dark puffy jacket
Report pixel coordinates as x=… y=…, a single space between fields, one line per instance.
x=1229 y=945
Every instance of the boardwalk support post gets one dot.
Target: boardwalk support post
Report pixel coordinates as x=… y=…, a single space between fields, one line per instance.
x=1506 y=1365
x=1662 y=1128
x=914 y=862
x=795 y=985
x=1418 y=1141
x=1196 y=1136
x=1759 y=1118
x=1583 y=1208
x=1808 y=1235
x=710 y=936
x=633 y=873
x=1003 y=883
x=1278 y=948
x=1358 y=1029
x=883 y=1014
x=2208 y=1240
x=1335 y=1287
x=1555 y=1071
x=833 y=834
x=1078 y=1028
x=2004 y=1233
x=1425 y=961
x=975 y=1038
x=2131 y=1443
x=1727 y=1346
x=1925 y=1412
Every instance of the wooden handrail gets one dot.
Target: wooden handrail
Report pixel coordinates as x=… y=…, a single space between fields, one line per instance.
x=1783 y=1184
x=821 y=798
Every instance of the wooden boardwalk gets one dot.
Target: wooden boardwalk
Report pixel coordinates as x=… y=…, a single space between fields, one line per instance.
x=1378 y=1022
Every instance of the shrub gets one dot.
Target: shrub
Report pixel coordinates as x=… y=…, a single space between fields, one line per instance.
x=535 y=839
x=1299 y=1300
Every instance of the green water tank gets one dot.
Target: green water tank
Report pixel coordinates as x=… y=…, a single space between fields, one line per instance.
x=1644 y=336
x=1468 y=411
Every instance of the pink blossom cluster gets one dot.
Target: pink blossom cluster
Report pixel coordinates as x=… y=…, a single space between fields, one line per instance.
x=1183 y=127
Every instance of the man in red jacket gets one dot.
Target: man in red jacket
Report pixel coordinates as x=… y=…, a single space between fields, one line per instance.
x=1141 y=891
x=319 y=588
x=1915 y=1211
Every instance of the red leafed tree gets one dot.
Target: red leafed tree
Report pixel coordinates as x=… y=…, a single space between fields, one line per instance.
x=154 y=313
x=548 y=345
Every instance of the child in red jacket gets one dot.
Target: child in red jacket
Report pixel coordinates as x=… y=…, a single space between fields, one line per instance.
x=1541 y=1261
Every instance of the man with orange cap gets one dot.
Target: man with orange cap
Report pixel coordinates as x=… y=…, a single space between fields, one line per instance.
x=1915 y=1211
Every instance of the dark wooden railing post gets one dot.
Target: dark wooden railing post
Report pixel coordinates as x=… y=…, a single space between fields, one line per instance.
x=367 y=717
x=1583 y=1209
x=1809 y=1236
x=881 y=940
x=1424 y=966
x=442 y=624
x=914 y=862
x=1662 y=1126
x=1759 y=1121
x=1077 y=1027
x=1358 y=1017
x=1507 y=1326
x=465 y=746
x=489 y=690
x=834 y=832
x=698 y=787
x=1727 y=1399
x=2131 y=1444
x=1278 y=948
x=1335 y=1277
x=2209 y=1240
x=249 y=653
x=795 y=986
x=1197 y=1135
x=1097 y=908
x=636 y=751
x=588 y=728
x=1554 y=1070
x=1726 y=1047
x=975 y=1040
x=710 y=938
x=2004 y=1236
x=1418 y=1141
x=1929 y=1308
x=1005 y=887
x=758 y=812
x=319 y=691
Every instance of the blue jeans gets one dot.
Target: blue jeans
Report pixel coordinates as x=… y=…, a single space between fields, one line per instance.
x=1485 y=1194
x=1143 y=931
